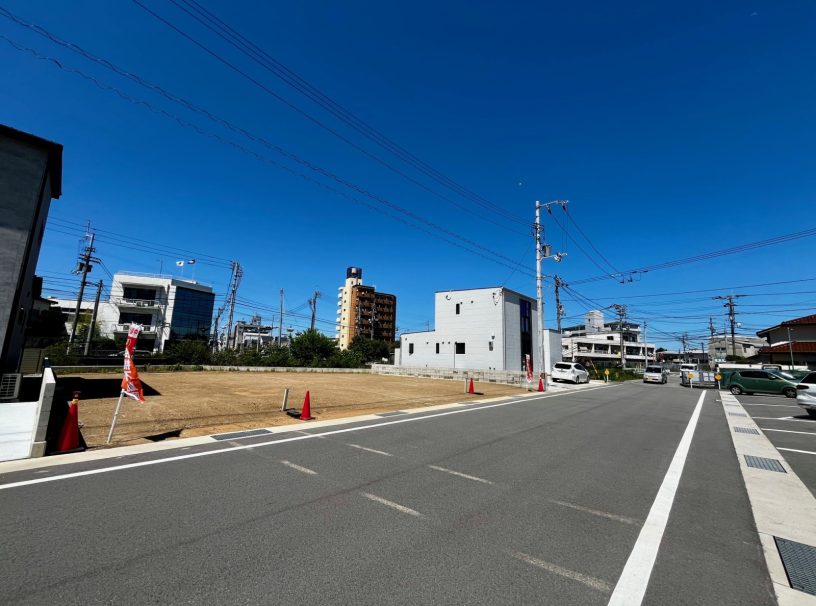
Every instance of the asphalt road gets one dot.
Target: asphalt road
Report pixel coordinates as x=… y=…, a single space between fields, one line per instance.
x=790 y=429
x=528 y=502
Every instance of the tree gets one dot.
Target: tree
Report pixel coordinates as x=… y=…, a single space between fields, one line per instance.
x=312 y=348
x=370 y=350
x=188 y=352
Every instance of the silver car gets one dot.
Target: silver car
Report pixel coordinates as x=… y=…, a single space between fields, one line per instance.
x=570 y=371
x=655 y=374
x=806 y=394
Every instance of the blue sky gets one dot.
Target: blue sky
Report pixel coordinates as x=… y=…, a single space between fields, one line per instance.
x=673 y=129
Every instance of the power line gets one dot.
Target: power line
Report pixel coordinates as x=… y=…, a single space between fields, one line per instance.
x=713 y=254
x=263 y=58
x=469 y=244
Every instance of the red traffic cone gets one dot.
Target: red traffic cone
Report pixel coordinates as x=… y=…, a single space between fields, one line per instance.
x=470 y=387
x=306 y=412
x=541 y=385
x=69 y=434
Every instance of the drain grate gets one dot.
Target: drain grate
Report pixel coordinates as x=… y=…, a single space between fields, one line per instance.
x=241 y=434
x=763 y=463
x=800 y=564
x=737 y=414
x=746 y=430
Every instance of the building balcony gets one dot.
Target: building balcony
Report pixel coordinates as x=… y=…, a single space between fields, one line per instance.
x=140 y=303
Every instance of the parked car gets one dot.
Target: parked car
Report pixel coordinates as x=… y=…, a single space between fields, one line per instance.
x=570 y=371
x=806 y=394
x=684 y=368
x=760 y=381
x=655 y=374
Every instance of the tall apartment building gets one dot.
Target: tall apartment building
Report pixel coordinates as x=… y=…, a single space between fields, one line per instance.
x=361 y=310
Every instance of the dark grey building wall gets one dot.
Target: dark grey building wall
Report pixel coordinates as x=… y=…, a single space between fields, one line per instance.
x=28 y=180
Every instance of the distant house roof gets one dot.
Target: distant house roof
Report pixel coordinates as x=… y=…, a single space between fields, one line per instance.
x=804 y=320
x=54 y=154
x=797 y=346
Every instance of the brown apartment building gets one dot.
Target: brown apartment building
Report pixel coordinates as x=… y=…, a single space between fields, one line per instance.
x=361 y=310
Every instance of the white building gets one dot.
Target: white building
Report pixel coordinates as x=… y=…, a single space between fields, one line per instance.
x=599 y=342
x=719 y=346
x=481 y=328
x=168 y=308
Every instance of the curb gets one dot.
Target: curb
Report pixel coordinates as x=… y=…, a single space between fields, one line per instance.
x=782 y=506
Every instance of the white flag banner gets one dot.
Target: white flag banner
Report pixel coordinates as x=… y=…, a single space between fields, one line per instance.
x=191 y=262
x=179 y=263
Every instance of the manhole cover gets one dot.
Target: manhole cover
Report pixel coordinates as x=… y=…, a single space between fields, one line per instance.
x=800 y=564
x=763 y=463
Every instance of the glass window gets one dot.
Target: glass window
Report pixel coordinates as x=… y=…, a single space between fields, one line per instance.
x=460 y=348
x=410 y=348
x=126 y=317
x=437 y=348
x=141 y=294
x=192 y=314
x=490 y=345
x=457 y=309
x=810 y=379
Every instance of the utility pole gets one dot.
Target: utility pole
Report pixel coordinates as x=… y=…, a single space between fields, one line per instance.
x=84 y=267
x=621 y=309
x=684 y=340
x=313 y=305
x=645 y=347
x=543 y=251
x=280 y=328
x=237 y=274
x=712 y=331
x=92 y=325
x=732 y=317
x=559 y=309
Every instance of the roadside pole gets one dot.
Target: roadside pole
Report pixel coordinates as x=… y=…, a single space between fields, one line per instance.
x=115 y=416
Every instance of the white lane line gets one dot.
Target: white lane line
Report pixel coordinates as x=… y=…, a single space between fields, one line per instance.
x=397 y=506
x=379 y=452
x=805 y=433
x=597 y=512
x=217 y=451
x=631 y=586
x=306 y=470
x=775 y=405
x=782 y=419
x=796 y=450
x=589 y=581
x=460 y=474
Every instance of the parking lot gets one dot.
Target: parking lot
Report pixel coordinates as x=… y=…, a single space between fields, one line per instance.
x=790 y=429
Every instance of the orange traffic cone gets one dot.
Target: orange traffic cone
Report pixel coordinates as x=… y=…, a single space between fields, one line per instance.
x=470 y=387
x=69 y=434
x=541 y=385
x=306 y=412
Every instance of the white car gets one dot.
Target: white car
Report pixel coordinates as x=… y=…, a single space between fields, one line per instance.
x=686 y=368
x=655 y=374
x=806 y=394
x=570 y=371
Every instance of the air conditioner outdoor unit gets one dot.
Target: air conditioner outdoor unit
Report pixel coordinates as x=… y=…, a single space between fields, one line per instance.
x=10 y=385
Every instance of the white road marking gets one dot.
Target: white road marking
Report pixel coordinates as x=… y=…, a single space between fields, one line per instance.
x=379 y=452
x=460 y=474
x=311 y=472
x=217 y=451
x=589 y=581
x=397 y=506
x=806 y=433
x=596 y=512
x=796 y=450
x=631 y=586
x=43 y=471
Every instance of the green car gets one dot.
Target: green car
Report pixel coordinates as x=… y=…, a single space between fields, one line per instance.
x=760 y=381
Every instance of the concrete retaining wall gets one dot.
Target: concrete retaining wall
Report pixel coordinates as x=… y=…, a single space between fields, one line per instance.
x=487 y=376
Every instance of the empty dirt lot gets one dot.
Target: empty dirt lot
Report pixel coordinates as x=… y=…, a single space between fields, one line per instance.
x=201 y=403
